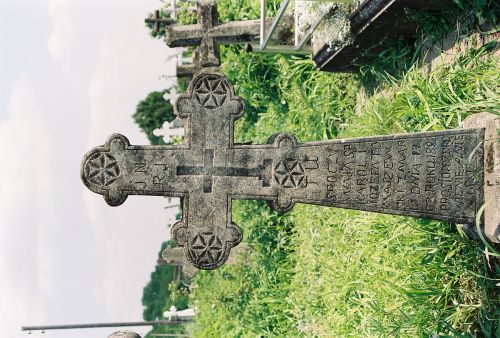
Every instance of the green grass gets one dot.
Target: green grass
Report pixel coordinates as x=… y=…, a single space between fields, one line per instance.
x=325 y=272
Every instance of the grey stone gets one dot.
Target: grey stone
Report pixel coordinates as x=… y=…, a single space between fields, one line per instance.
x=176 y=257
x=437 y=175
x=124 y=334
x=491 y=224
x=208 y=34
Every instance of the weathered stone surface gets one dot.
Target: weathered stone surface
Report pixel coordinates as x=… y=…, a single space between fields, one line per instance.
x=491 y=146
x=124 y=334
x=438 y=175
x=375 y=24
x=176 y=257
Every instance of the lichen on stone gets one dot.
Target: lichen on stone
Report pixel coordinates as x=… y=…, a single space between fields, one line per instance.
x=334 y=30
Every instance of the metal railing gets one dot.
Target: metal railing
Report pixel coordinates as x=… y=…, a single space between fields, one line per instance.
x=300 y=45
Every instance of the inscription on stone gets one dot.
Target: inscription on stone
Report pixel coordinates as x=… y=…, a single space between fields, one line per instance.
x=437 y=175
x=426 y=175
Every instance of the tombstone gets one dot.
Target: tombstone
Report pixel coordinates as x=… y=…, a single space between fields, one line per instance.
x=208 y=33
x=124 y=334
x=437 y=175
x=176 y=257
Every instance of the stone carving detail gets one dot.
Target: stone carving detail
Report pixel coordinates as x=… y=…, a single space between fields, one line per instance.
x=211 y=92
x=290 y=174
x=102 y=169
x=206 y=249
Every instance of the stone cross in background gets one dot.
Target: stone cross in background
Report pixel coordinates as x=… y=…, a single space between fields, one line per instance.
x=189 y=69
x=438 y=175
x=208 y=33
x=158 y=21
x=199 y=35
x=168 y=132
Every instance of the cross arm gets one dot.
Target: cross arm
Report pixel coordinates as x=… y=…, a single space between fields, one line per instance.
x=118 y=169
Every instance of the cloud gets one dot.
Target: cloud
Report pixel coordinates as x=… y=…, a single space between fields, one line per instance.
x=64 y=32
x=128 y=65
x=27 y=217
x=52 y=261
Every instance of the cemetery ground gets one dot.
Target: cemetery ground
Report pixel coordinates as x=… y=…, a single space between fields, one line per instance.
x=318 y=271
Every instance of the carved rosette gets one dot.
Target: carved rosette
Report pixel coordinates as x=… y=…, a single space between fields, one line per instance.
x=289 y=173
x=211 y=92
x=100 y=169
x=204 y=248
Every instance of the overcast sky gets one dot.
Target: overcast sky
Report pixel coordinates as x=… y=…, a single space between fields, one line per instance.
x=71 y=74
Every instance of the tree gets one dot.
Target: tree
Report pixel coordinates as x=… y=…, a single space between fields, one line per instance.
x=151 y=113
x=161 y=293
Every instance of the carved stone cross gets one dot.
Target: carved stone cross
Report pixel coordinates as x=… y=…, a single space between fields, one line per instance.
x=437 y=175
x=208 y=33
x=157 y=21
x=201 y=34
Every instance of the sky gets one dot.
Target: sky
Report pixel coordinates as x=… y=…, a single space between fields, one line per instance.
x=71 y=74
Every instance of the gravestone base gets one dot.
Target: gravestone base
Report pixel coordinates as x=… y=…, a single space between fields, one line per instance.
x=491 y=225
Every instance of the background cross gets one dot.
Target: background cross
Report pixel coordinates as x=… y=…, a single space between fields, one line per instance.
x=158 y=21
x=208 y=34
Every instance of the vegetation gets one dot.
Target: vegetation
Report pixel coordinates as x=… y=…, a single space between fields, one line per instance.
x=151 y=113
x=324 y=272
x=328 y=272
x=161 y=293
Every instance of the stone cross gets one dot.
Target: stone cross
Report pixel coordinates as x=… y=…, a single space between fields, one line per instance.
x=208 y=33
x=158 y=21
x=167 y=132
x=437 y=175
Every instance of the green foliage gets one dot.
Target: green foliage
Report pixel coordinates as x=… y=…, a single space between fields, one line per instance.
x=485 y=11
x=161 y=293
x=157 y=294
x=324 y=272
x=151 y=113
x=238 y=300
x=434 y=101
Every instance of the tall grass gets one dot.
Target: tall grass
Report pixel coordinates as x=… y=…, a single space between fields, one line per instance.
x=324 y=272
